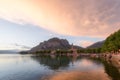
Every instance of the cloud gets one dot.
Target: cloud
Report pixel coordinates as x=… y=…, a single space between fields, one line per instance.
x=12 y=46
x=91 y=18
x=23 y=47
x=84 y=43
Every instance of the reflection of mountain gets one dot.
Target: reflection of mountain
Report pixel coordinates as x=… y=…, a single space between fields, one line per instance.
x=53 y=63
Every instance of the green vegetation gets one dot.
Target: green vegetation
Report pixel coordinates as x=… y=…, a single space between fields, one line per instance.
x=43 y=51
x=57 y=52
x=112 y=43
x=93 y=50
x=64 y=51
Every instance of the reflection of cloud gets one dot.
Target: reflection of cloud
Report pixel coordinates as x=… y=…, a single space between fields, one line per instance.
x=86 y=63
x=77 y=75
x=69 y=17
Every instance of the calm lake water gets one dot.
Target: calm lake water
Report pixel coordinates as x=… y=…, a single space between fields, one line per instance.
x=29 y=67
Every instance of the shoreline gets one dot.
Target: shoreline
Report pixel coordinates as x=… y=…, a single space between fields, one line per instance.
x=113 y=59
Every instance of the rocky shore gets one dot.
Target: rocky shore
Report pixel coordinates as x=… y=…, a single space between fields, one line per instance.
x=113 y=58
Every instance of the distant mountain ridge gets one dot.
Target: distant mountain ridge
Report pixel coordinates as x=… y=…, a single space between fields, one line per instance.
x=53 y=44
x=97 y=45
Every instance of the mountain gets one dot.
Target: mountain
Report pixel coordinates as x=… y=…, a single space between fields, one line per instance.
x=77 y=47
x=53 y=44
x=96 y=45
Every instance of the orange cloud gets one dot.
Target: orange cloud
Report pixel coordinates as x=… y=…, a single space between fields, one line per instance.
x=67 y=17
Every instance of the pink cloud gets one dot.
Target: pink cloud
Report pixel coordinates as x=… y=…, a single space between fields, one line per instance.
x=84 y=43
x=68 y=17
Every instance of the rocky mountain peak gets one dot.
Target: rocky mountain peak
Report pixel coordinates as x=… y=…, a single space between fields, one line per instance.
x=52 y=44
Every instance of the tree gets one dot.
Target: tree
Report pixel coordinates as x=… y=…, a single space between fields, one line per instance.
x=112 y=43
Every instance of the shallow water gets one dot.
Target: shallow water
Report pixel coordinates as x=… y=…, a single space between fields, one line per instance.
x=29 y=67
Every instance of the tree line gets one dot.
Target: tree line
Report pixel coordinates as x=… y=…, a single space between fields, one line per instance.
x=112 y=43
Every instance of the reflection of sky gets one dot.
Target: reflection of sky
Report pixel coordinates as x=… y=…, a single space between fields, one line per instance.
x=85 y=65
x=23 y=67
x=17 y=67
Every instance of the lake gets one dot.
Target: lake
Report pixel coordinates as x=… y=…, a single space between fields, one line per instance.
x=30 y=67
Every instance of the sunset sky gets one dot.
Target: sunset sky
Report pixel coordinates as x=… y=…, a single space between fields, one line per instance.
x=26 y=23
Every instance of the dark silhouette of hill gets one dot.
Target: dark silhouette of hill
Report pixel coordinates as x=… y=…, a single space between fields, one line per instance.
x=97 y=45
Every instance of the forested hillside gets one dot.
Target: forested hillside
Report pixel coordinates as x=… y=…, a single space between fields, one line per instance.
x=112 y=43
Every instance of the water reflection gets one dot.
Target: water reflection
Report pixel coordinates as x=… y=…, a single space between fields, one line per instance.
x=30 y=67
x=78 y=68
x=20 y=67
x=73 y=62
x=111 y=70
x=53 y=63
